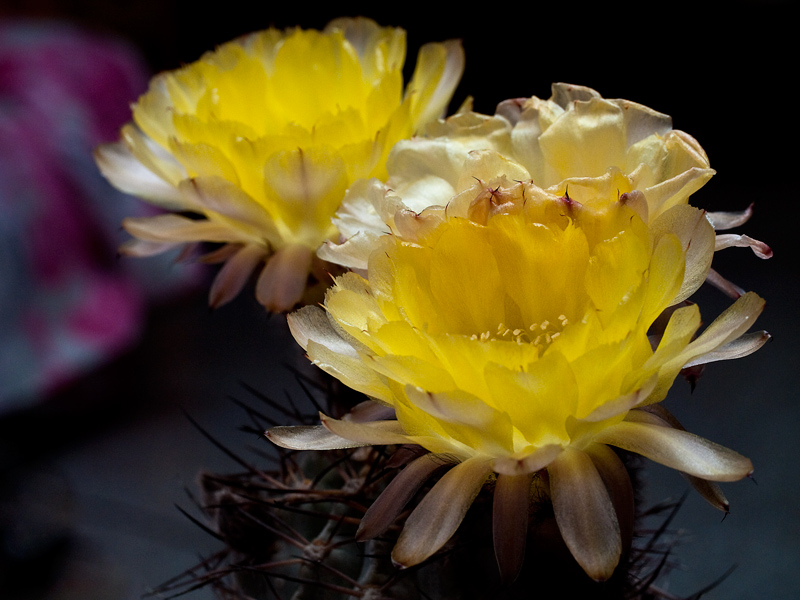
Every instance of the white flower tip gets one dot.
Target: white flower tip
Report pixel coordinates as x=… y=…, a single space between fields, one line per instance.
x=398 y=564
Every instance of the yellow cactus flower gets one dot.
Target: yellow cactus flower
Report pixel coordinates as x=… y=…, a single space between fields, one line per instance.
x=561 y=143
x=565 y=143
x=514 y=332
x=262 y=137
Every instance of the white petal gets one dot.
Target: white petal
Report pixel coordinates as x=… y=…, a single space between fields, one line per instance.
x=353 y=253
x=564 y=94
x=730 y=240
x=312 y=323
x=697 y=237
x=331 y=352
x=678 y=450
x=304 y=437
x=676 y=191
x=728 y=220
x=156 y=158
x=359 y=211
x=729 y=288
x=126 y=173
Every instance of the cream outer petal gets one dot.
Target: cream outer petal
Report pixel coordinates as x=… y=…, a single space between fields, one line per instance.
x=312 y=323
x=373 y=433
x=306 y=437
x=172 y=228
x=730 y=240
x=442 y=61
x=235 y=274
x=697 y=238
x=124 y=171
x=738 y=348
x=283 y=280
x=677 y=449
x=585 y=514
x=438 y=515
x=382 y=513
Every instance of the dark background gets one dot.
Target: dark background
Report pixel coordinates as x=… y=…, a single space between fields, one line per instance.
x=114 y=450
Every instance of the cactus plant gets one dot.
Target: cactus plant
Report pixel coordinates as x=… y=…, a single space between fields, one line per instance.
x=289 y=533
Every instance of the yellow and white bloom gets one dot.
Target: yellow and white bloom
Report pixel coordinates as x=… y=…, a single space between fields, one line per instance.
x=562 y=143
x=262 y=137
x=513 y=330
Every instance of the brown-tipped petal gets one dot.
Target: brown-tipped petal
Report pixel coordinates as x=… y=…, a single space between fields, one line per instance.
x=728 y=288
x=404 y=455
x=678 y=450
x=304 y=437
x=620 y=490
x=710 y=491
x=234 y=274
x=440 y=512
x=368 y=410
x=511 y=109
x=585 y=514
x=397 y=494
x=637 y=201
x=738 y=348
x=728 y=220
x=655 y=414
x=220 y=255
x=368 y=434
x=283 y=280
x=730 y=240
x=535 y=461
x=510 y=523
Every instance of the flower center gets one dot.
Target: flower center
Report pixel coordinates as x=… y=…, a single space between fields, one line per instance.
x=537 y=334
